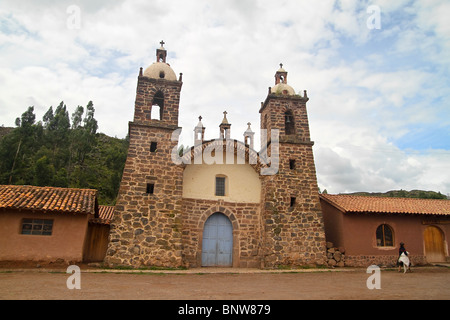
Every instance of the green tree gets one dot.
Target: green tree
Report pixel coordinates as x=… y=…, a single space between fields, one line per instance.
x=48 y=118
x=63 y=151
x=77 y=117
x=90 y=124
x=23 y=144
x=44 y=172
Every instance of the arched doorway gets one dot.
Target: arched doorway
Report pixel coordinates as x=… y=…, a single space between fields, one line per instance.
x=217 y=244
x=434 y=244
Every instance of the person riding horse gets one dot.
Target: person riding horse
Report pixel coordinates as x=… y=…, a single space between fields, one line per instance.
x=400 y=259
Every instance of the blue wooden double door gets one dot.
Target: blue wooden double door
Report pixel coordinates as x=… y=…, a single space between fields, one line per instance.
x=217 y=245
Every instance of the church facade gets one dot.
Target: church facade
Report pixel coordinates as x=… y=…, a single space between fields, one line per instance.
x=220 y=203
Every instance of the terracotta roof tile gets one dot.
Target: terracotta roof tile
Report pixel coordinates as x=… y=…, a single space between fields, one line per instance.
x=350 y=203
x=105 y=214
x=48 y=199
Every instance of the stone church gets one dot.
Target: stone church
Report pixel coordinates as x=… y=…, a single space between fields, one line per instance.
x=220 y=203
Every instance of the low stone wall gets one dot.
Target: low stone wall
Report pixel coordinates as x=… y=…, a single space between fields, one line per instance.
x=389 y=261
x=335 y=255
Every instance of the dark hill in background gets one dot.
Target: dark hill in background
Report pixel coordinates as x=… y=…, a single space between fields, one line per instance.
x=403 y=194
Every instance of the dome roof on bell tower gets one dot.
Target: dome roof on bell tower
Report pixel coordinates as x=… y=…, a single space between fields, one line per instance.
x=160 y=70
x=282 y=88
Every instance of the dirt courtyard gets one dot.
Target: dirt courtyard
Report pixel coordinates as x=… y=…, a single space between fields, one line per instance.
x=229 y=284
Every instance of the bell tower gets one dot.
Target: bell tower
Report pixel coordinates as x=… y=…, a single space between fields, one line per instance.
x=146 y=229
x=286 y=111
x=158 y=94
x=295 y=232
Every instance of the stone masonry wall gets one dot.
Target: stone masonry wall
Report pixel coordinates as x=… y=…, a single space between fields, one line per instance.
x=146 y=229
x=273 y=116
x=246 y=222
x=145 y=93
x=381 y=260
x=294 y=232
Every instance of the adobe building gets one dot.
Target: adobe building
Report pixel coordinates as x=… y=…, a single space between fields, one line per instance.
x=49 y=224
x=221 y=203
x=370 y=229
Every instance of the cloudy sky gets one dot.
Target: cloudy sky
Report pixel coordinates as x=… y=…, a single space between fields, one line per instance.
x=377 y=73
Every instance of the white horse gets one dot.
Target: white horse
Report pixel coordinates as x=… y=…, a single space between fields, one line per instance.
x=404 y=260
